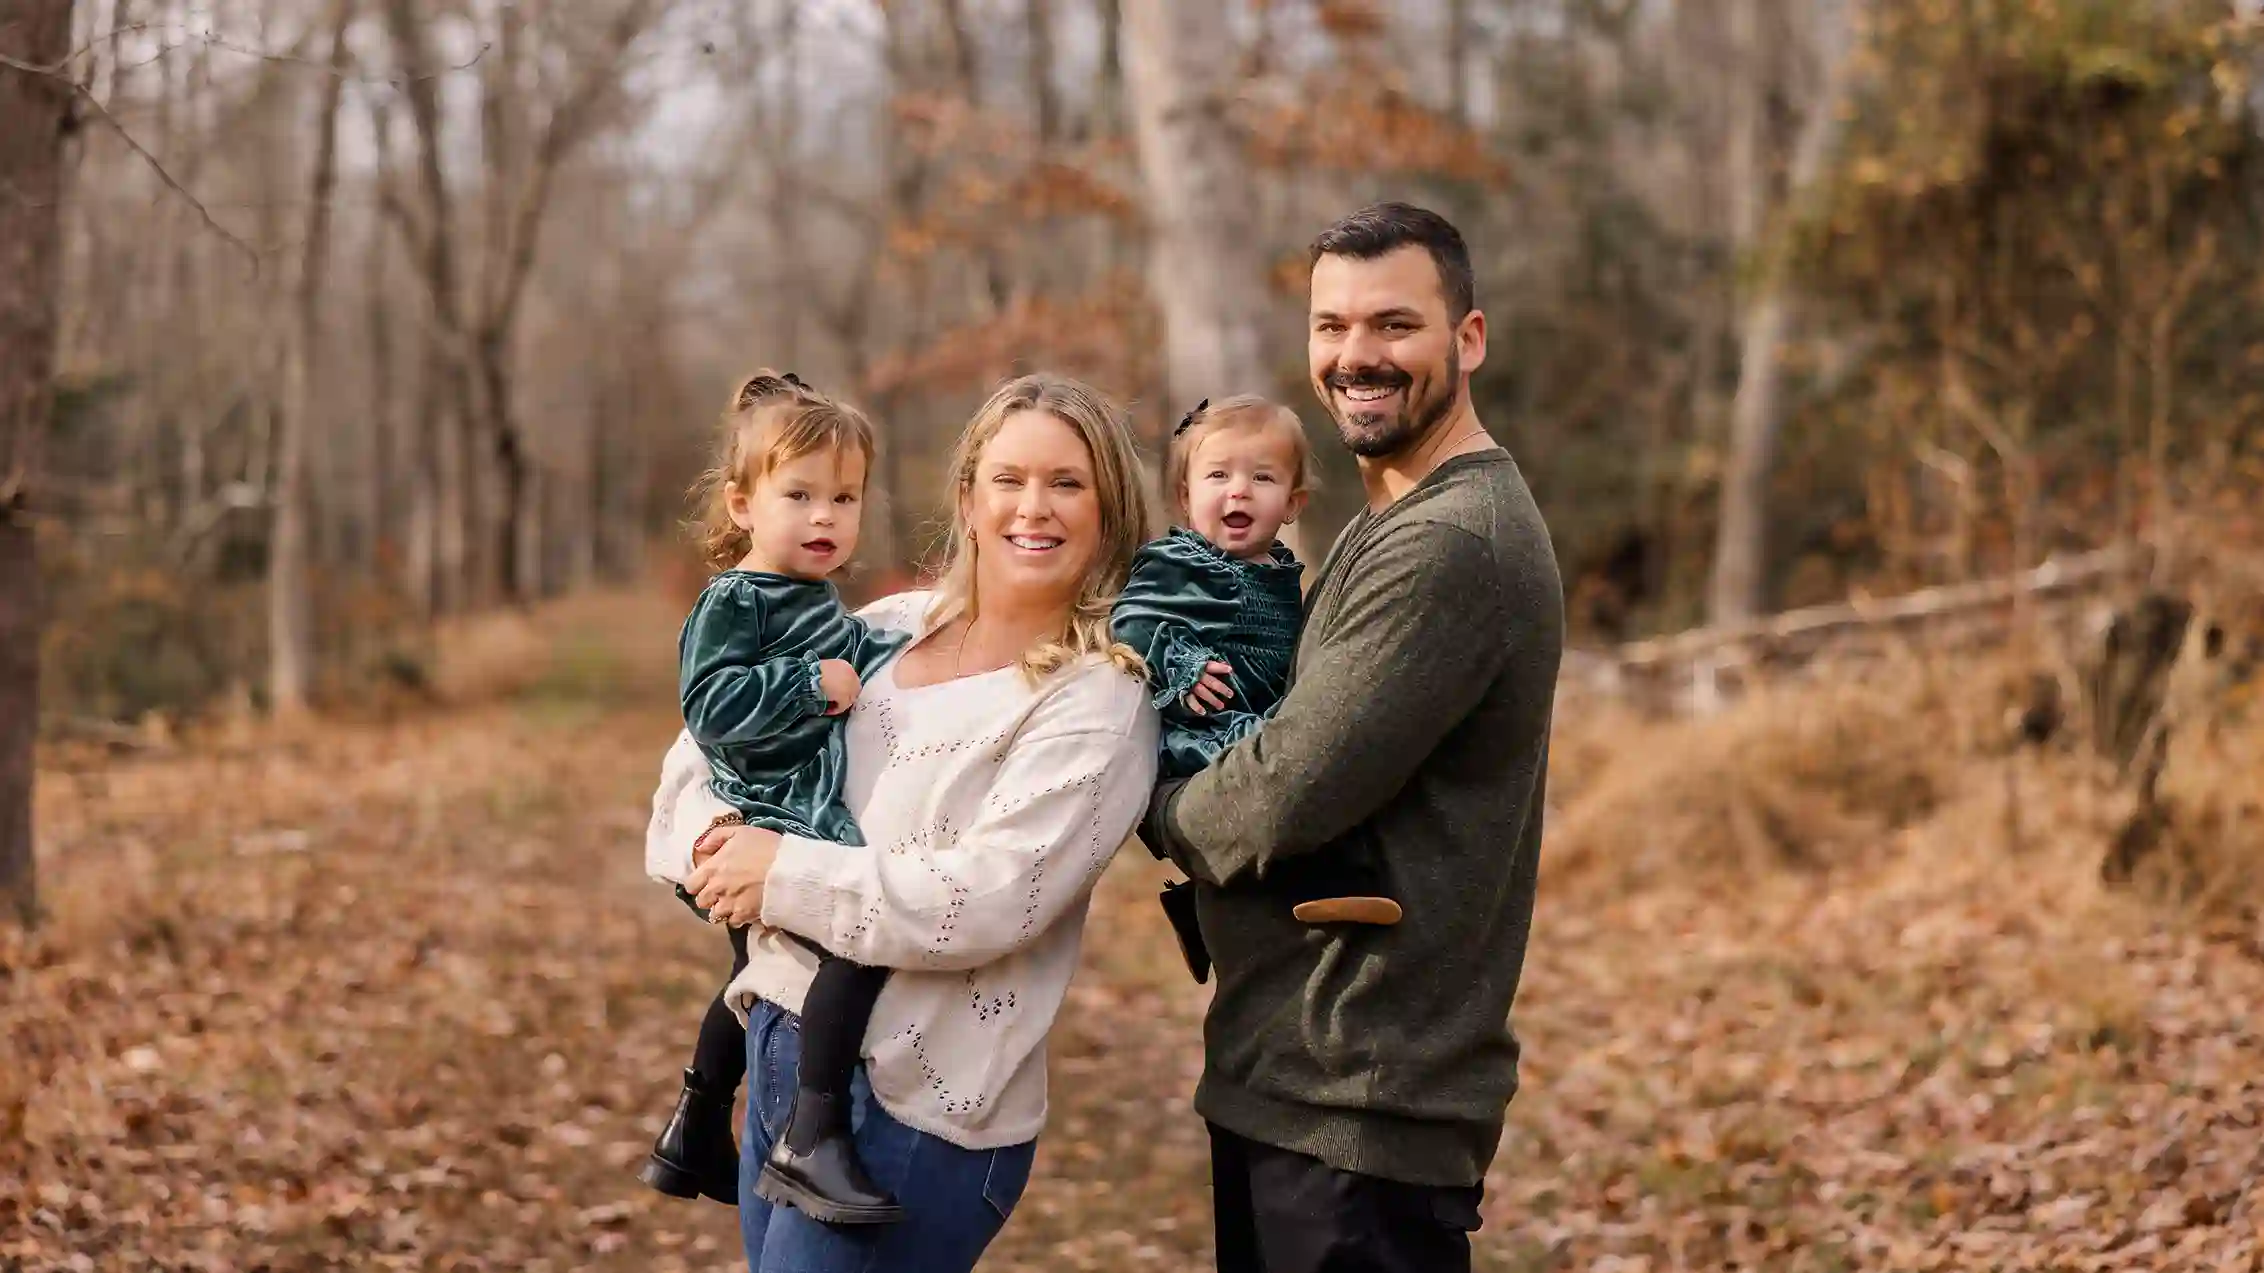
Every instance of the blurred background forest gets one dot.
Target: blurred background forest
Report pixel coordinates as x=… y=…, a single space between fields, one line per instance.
x=1898 y=364
x=1856 y=296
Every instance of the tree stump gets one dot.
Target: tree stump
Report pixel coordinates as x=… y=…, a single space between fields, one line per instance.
x=2132 y=675
x=2128 y=687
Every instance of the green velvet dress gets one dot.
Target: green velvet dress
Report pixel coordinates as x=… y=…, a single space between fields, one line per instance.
x=748 y=674
x=1187 y=603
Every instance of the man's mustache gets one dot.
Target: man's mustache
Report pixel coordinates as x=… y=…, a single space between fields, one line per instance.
x=1380 y=377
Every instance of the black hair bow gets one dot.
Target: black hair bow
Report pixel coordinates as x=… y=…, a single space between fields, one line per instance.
x=1187 y=421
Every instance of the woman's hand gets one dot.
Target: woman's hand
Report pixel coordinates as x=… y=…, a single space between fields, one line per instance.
x=729 y=884
x=1212 y=692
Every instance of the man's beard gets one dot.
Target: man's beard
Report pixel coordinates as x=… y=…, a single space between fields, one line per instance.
x=1375 y=434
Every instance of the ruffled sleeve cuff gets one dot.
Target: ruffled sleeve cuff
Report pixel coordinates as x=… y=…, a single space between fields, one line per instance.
x=812 y=687
x=1181 y=666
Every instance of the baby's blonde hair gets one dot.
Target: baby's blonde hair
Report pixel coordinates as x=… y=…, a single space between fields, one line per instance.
x=1245 y=411
x=773 y=419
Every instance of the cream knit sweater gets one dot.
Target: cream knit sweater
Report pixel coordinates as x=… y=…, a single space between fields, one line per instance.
x=990 y=806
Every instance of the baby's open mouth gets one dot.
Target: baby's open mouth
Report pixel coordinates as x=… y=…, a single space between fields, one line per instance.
x=821 y=547
x=1239 y=521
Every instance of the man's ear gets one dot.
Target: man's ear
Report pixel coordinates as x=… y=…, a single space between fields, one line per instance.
x=1470 y=340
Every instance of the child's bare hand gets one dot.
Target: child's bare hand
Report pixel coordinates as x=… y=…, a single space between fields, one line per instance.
x=1212 y=692
x=838 y=682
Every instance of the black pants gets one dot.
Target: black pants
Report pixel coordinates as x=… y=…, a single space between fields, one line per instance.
x=1283 y=1212
x=834 y=1015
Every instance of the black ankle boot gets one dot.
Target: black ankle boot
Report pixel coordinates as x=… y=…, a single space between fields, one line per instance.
x=696 y=1155
x=814 y=1169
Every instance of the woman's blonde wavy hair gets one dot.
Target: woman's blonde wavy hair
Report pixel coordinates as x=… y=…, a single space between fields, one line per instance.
x=1126 y=517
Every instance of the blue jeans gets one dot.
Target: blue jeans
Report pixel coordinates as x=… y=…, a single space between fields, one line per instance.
x=955 y=1200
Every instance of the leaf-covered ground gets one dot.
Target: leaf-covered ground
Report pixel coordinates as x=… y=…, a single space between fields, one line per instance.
x=397 y=996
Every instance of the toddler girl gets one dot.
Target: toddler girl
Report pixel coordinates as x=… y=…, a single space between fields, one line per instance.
x=1214 y=607
x=767 y=657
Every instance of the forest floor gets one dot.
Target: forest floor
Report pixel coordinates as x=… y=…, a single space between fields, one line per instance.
x=395 y=994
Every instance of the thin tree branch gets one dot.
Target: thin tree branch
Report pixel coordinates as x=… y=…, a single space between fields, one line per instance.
x=568 y=125
x=341 y=72
x=215 y=40
x=131 y=28
x=86 y=95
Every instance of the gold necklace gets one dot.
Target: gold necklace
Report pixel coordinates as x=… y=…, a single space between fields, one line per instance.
x=959 y=651
x=1457 y=440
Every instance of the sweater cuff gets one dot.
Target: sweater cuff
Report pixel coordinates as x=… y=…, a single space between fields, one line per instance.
x=1155 y=827
x=804 y=880
x=1183 y=664
x=813 y=687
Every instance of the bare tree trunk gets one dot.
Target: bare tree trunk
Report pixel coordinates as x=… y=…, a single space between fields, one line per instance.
x=290 y=608
x=34 y=112
x=1458 y=61
x=784 y=113
x=507 y=266
x=386 y=437
x=962 y=48
x=1736 y=590
x=441 y=499
x=1103 y=116
x=1204 y=269
x=1045 y=99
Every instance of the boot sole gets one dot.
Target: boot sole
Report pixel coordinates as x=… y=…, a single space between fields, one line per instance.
x=774 y=1187
x=677 y=1182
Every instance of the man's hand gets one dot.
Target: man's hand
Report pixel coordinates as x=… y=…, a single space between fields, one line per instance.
x=837 y=680
x=728 y=884
x=1212 y=692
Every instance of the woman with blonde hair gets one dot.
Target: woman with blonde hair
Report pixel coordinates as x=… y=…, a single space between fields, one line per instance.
x=994 y=767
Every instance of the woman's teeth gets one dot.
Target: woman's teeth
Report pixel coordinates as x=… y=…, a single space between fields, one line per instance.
x=1034 y=543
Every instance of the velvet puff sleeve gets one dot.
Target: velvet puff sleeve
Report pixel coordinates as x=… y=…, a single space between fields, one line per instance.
x=1181 y=598
x=731 y=694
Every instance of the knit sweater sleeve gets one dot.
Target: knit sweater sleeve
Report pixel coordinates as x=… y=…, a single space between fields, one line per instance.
x=684 y=806
x=1072 y=784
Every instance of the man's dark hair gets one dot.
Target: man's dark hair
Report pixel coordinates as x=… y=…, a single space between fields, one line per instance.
x=1381 y=228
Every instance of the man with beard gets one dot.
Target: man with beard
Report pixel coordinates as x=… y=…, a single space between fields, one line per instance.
x=1356 y=1076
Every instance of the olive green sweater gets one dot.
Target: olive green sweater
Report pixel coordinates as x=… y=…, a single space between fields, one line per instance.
x=1416 y=727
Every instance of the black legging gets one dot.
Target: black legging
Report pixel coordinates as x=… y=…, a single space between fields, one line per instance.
x=834 y=1015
